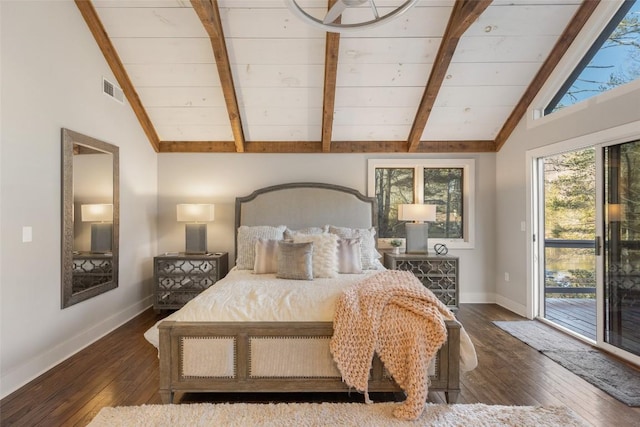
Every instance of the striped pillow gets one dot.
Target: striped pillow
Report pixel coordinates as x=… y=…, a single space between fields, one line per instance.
x=349 y=256
x=266 y=256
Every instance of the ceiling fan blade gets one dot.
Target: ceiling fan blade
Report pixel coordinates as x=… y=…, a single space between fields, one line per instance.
x=374 y=9
x=335 y=12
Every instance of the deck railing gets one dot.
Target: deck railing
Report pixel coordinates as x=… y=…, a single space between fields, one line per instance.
x=589 y=287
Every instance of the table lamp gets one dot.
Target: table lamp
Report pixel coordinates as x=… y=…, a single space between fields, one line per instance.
x=195 y=230
x=418 y=230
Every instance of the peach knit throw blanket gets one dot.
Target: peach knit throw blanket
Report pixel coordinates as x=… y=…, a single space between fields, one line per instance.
x=393 y=314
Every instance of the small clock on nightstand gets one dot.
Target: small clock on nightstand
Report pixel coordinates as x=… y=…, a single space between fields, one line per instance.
x=179 y=277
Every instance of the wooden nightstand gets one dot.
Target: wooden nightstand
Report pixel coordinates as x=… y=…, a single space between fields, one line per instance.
x=180 y=277
x=438 y=273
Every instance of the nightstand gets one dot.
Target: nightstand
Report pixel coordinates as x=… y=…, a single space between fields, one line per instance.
x=179 y=277
x=438 y=273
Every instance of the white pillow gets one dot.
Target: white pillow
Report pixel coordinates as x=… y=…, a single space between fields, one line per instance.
x=289 y=233
x=349 y=256
x=266 y=256
x=369 y=254
x=325 y=252
x=247 y=237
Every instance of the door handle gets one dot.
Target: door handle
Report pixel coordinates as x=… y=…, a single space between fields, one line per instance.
x=598 y=244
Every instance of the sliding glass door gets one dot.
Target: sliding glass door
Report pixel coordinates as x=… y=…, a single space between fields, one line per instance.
x=587 y=258
x=621 y=291
x=568 y=294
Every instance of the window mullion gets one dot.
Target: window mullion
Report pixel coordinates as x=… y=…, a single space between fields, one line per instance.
x=419 y=185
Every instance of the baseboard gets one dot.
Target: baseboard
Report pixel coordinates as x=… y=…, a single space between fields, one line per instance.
x=477 y=298
x=36 y=366
x=512 y=306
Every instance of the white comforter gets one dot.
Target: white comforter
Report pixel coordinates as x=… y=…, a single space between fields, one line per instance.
x=244 y=296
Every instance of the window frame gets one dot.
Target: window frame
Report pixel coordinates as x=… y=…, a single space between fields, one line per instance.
x=468 y=192
x=594 y=48
x=589 y=33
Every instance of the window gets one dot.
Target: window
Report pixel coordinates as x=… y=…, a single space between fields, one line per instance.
x=448 y=184
x=613 y=60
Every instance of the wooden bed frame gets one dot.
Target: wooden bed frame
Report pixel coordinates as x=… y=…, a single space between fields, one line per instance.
x=296 y=205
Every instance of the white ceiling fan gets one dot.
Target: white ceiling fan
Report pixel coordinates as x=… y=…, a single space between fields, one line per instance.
x=328 y=23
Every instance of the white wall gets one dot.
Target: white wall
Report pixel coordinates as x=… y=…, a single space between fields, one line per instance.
x=594 y=121
x=51 y=78
x=220 y=178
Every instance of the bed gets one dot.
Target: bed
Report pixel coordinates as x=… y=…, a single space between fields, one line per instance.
x=273 y=352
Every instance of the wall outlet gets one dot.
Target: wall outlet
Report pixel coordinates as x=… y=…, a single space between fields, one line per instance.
x=506 y=277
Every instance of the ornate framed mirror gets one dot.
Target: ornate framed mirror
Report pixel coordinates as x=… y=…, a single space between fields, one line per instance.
x=90 y=217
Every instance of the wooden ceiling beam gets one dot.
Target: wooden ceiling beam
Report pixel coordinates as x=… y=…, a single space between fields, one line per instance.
x=209 y=14
x=332 y=48
x=464 y=13
x=480 y=146
x=90 y=16
x=578 y=21
x=198 y=147
x=342 y=147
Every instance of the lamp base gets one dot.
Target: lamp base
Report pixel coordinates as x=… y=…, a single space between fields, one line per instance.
x=101 y=237
x=195 y=238
x=417 y=238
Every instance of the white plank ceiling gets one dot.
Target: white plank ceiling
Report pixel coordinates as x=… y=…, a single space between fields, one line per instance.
x=277 y=63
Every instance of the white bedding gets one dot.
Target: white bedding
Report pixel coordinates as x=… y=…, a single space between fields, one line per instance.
x=245 y=296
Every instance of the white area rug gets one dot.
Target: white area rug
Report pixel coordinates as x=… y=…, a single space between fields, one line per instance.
x=331 y=414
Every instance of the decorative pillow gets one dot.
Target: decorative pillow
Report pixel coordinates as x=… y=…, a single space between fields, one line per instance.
x=295 y=260
x=349 y=256
x=367 y=238
x=289 y=233
x=247 y=237
x=325 y=252
x=266 y=256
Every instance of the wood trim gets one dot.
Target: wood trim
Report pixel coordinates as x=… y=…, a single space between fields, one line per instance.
x=165 y=361
x=342 y=147
x=464 y=13
x=457 y=146
x=330 y=77
x=197 y=147
x=580 y=18
x=113 y=60
x=209 y=14
x=446 y=379
x=332 y=48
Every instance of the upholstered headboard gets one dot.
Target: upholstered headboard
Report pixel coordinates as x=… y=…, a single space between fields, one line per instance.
x=307 y=204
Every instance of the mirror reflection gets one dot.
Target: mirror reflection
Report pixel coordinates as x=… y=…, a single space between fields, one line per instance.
x=90 y=217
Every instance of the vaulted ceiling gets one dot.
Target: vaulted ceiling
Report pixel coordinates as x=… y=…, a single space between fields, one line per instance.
x=250 y=76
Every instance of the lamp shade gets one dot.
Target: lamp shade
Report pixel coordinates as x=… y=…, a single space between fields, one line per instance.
x=195 y=212
x=97 y=213
x=416 y=212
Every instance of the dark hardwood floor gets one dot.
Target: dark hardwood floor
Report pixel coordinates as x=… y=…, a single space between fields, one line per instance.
x=122 y=369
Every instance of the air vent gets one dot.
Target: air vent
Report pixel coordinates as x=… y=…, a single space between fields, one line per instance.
x=112 y=90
